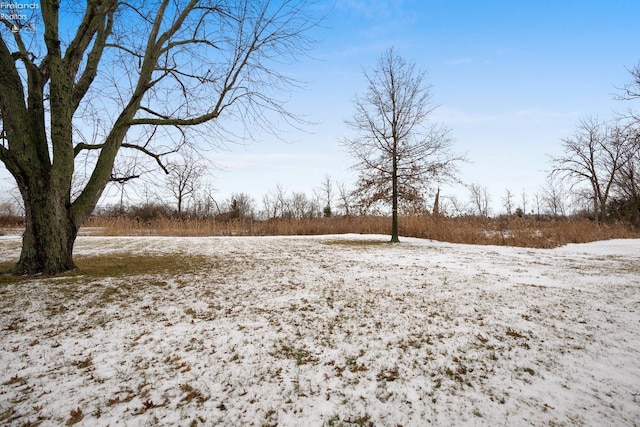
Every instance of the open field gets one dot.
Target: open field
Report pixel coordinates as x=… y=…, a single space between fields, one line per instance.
x=329 y=330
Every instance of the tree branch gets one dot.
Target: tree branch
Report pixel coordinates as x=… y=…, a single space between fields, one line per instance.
x=150 y=154
x=122 y=179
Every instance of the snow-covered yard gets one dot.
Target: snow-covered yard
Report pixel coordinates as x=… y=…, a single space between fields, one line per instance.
x=332 y=330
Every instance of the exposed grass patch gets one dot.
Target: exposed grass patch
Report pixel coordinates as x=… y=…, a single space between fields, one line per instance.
x=5 y=267
x=126 y=264
x=122 y=265
x=357 y=242
x=75 y=417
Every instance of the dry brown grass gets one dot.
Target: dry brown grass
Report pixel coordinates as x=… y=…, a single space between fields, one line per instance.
x=524 y=232
x=122 y=265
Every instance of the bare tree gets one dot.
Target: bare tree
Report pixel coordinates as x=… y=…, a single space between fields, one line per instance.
x=457 y=208
x=205 y=205
x=538 y=200
x=141 y=75
x=270 y=206
x=627 y=185
x=275 y=202
x=593 y=155
x=12 y=196
x=241 y=206
x=8 y=209
x=507 y=201
x=632 y=90
x=281 y=202
x=299 y=206
x=479 y=199
x=345 y=203
x=525 y=200
x=627 y=182
x=554 y=198
x=326 y=193
x=398 y=154
x=184 y=180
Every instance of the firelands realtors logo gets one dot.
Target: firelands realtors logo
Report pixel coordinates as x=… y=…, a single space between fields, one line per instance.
x=17 y=13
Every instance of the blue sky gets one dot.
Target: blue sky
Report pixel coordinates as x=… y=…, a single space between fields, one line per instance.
x=511 y=79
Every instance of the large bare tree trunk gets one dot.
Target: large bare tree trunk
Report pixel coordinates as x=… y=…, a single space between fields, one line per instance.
x=50 y=233
x=58 y=82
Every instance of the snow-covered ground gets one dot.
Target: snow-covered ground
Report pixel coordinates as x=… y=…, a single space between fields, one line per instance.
x=313 y=331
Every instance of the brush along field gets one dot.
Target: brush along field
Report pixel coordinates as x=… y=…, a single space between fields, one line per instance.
x=323 y=331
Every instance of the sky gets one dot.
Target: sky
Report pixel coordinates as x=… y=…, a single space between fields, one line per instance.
x=510 y=78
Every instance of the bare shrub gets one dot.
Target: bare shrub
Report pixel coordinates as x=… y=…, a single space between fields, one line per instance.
x=504 y=231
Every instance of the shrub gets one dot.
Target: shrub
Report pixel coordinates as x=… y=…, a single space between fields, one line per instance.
x=505 y=231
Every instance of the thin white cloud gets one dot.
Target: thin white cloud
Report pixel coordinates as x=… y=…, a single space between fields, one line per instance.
x=452 y=116
x=459 y=61
x=247 y=161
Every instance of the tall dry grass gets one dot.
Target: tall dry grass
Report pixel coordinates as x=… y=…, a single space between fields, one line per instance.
x=514 y=231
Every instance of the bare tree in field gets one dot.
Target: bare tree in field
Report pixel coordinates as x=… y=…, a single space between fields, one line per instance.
x=345 y=199
x=507 y=201
x=184 y=179
x=326 y=194
x=593 y=155
x=479 y=199
x=141 y=76
x=398 y=153
x=241 y=206
x=554 y=197
x=525 y=200
x=538 y=200
x=299 y=206
x=457 y=207
x=205 y=205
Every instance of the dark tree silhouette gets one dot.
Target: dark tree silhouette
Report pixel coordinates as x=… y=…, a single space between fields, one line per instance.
x=398 y=152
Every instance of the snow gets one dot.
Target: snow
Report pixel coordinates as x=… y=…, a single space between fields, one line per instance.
x=330 y=330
